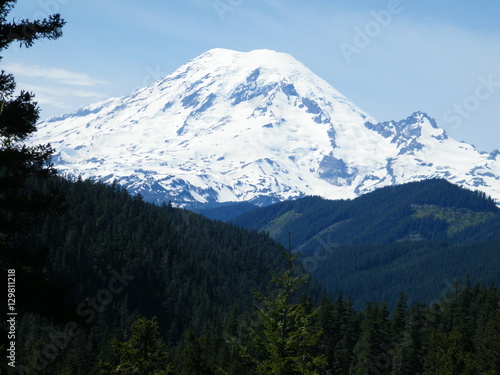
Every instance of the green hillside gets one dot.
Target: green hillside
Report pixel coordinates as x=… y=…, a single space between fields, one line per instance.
x=422 y=269
x=426 y=210
x=413 y=238
x=109 y=259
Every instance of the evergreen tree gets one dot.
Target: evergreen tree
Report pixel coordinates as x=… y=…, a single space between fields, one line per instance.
x=18 y=116
x=409 y=356
x=450 y=357
x=400 y=317
x=144 y=353
x=372 y=356
x=192 y=361
x=20 y=166
x=340 y=329
x=284 y=340
x=399 y=346
x=330 y=325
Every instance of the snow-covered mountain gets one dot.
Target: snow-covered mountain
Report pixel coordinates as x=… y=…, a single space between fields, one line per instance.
x=258 y=126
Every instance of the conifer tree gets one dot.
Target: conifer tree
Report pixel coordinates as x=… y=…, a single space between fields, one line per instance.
x=192 y=361
x=340 y=334
x=414 y=342
x=284 y=339
x=449 y=355
x=400 y=317
x=371 y=355
x=19 y=162
x=400 y=345
x=144 y=353
x=21 y=166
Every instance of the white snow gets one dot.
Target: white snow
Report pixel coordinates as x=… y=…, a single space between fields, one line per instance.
x=233 y=126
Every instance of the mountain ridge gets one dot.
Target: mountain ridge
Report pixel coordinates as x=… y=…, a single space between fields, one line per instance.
x=425 y=210
x=255 y=127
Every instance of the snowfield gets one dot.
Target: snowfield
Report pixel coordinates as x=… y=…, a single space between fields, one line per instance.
x=259 y=126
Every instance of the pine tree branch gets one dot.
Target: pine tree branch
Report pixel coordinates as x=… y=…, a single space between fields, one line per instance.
x=26 y=32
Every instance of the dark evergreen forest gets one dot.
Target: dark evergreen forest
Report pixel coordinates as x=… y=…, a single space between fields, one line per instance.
x=415 y=238
x=99 y=282
x=425 y=210
x=120 y=272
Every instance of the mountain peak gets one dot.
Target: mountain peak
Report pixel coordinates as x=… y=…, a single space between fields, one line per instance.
x=235 y=65
x=261 y=57
x=408 y=134
x=253 y=126
x=422 y=117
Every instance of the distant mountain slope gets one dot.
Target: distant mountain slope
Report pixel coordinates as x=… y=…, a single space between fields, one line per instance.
x=426 y=210
x=417 y=238
x=226 y=212
x=425 y=270
x=258 y=127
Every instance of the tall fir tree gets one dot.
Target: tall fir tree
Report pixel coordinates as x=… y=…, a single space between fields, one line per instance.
x=20 y=165
x=371 y=354
x=192 y=357
x=144 y=353
x=284 y=339
x=18 y=116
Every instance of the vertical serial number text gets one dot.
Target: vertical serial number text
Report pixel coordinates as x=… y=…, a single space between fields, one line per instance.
x=11 y=316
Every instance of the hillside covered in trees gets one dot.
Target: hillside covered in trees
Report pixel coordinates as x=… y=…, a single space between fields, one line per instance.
x=115 y=265
x=414 y=238
x=101 y=282
x=424 y=210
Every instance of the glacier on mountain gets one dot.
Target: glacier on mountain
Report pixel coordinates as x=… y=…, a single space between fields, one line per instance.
x=260 y=127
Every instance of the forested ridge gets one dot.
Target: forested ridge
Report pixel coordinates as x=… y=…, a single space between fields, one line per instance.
x=417 y=210
x=192 y=281
x=367 y=272
x=179 y=261
x=414 y=238
x=165 y=262
x=101 y=282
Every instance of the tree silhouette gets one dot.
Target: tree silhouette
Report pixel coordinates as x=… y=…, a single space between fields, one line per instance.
x=19 y=163
x=144 y=353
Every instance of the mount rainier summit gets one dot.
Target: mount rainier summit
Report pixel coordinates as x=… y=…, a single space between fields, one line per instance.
x=258 y=127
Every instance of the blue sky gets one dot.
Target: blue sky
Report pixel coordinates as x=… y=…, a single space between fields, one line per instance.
x=390 y=57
